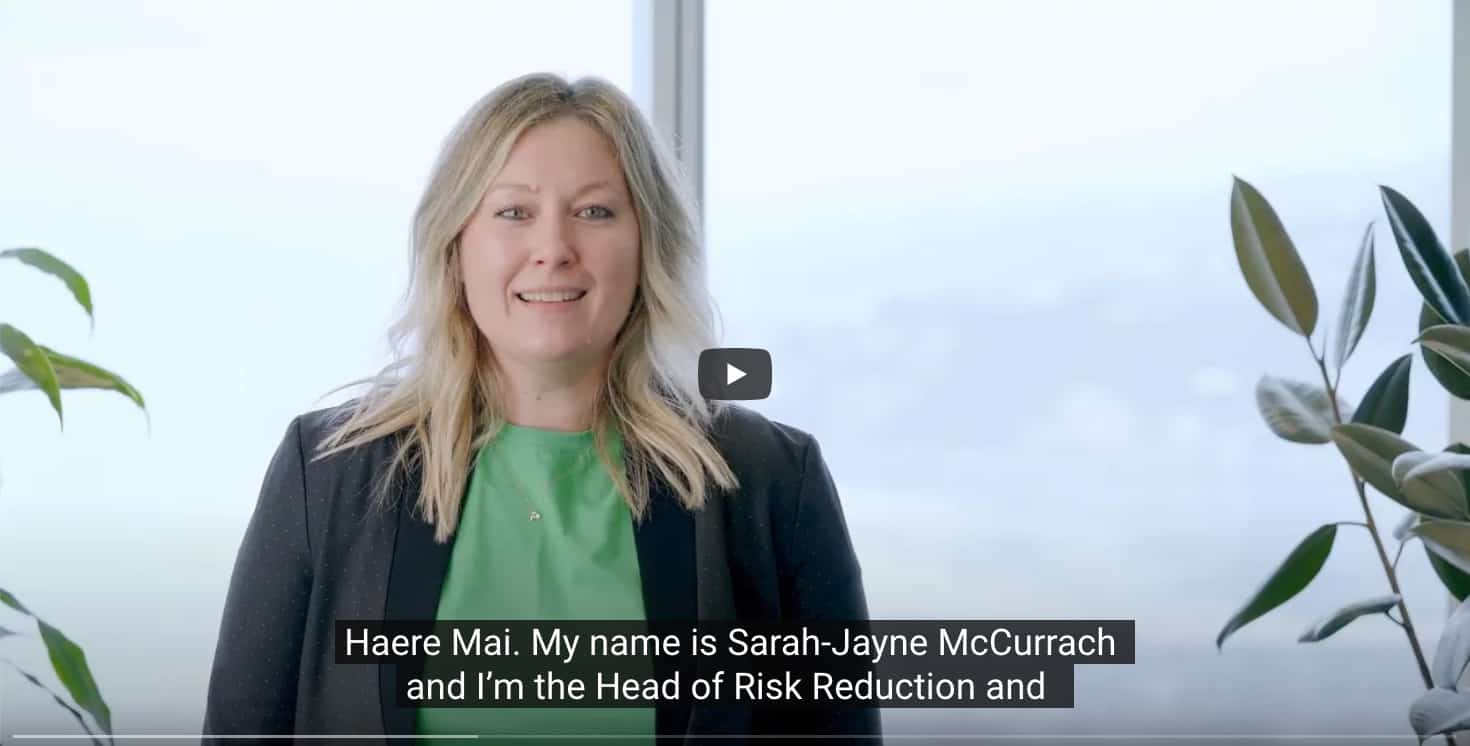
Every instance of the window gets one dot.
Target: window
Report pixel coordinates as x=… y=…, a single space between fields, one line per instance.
x=237 y=187
x=989 y=249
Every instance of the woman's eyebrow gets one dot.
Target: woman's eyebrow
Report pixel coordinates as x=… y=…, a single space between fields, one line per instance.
x=512 y=185
x=591 y=186
x=599 y=184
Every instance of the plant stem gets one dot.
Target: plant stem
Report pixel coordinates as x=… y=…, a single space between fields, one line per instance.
x=1388 y=570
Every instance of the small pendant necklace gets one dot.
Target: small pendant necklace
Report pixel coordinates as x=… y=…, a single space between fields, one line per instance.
x=519 y=487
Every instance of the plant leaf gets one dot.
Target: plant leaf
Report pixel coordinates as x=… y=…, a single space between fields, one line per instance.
x=1294 y=574
x=1455 y=381
x=74 y=373
x=1437 y=462
x=1296 y=411
x=1451 y=343
x=1453 y=650
x=1269 y=261
x=1407 y=461
x=56 y=268
x=1455 y=580
x=1386 y=405
x=32 y=361
x=1451 y=378
x=1371 y=451
x=28 y=676
x=1342 y=617
x=1401 y=531
x=1449 y=540
x=1357 y=302
x=1439 y=711
x=13 y=602
x=70 y=664
x=1430 y=266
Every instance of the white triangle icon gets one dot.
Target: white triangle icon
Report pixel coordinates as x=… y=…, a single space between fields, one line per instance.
x=732 y=374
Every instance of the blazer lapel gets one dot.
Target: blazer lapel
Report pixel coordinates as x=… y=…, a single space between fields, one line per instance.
x=669 y=567
x=666 y=554
x=414 y=581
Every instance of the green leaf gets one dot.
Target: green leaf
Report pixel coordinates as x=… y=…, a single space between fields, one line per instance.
x=1455 y=580
x=1448 y=346
x=1357 y=303
x=1430 y=266
x=1452 y=652
x=32 y=361
x=70 y=664
x=1296 y=411
x=28 y=676
x=1401 y=531
x=1371 y=451
x=1300 y=567
x=1451 y=342
x=73 y=373
x=1454 y=380
x=13 y=602
x=1386 y=405
x=1269 y=261
x=1448 y=540
x=56 y=268
x=1326 y=627
x=1439 y=711
x=1418 y=468
x=1451 y=378
x=1463 y=450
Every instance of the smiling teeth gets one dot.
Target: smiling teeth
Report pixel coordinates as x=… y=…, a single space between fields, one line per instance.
x=556 y=296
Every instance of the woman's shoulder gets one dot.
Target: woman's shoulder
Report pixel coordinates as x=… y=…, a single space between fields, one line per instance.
x=753 y=444
x=316 y=425
x=312 y=432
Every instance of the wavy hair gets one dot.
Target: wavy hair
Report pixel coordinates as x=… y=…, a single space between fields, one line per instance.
x=438 y=391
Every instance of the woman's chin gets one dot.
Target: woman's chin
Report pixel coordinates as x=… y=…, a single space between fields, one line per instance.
x=559 y=353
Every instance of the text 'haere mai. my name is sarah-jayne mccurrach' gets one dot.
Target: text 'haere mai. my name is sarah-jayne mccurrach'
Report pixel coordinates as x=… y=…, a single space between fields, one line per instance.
x=898 y=663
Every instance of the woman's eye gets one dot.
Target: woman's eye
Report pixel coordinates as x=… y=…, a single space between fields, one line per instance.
x=514 y=213
x=596 y=211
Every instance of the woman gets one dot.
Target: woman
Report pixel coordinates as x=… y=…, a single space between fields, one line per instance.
x=539 y=449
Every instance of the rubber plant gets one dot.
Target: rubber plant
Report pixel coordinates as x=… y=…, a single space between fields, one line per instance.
x=1433 y=485
x=37 y=367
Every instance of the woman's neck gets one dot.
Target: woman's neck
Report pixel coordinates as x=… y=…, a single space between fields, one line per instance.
x=549 y=397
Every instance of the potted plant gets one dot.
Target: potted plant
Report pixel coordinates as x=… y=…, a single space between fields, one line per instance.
x=37 y=367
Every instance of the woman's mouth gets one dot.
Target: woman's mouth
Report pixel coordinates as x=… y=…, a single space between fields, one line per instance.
x=550 y=296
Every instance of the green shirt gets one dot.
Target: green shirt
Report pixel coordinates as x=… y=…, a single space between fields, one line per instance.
x=577 y=560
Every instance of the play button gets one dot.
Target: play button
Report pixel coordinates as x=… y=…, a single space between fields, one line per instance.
x=735 y=373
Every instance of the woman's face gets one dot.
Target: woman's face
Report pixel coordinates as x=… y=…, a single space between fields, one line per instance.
x=550 y=257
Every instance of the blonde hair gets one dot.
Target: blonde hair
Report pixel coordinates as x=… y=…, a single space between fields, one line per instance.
x=442 y=396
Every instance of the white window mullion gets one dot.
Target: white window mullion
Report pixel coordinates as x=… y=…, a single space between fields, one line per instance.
x=1460 y=173
x=668 y=78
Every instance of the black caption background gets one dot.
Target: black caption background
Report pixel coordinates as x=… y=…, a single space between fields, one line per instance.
x=687 y=664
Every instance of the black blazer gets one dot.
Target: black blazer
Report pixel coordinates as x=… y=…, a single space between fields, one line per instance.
x=314 y=552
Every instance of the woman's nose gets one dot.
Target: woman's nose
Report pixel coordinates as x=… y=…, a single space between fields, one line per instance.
x=553 y=244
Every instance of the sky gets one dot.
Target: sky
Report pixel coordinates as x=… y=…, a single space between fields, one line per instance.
x=986 y=243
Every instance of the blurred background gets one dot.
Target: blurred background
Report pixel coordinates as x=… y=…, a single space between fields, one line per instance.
x=987 y=245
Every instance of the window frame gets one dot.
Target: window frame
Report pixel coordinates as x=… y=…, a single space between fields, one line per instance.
x=668 y=79
x=1459 y=171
